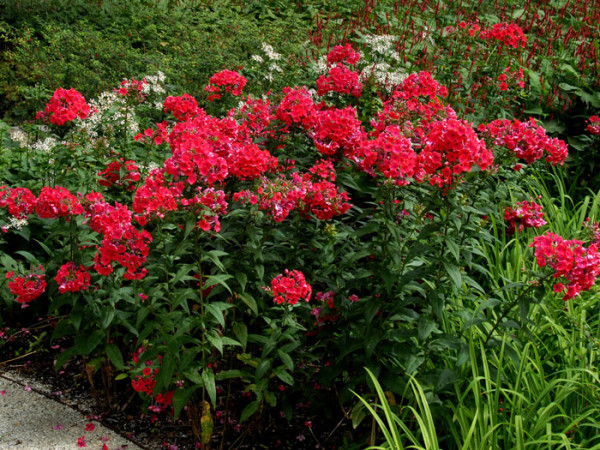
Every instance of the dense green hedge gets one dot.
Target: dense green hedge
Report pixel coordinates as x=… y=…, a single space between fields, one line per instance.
x=91 y=46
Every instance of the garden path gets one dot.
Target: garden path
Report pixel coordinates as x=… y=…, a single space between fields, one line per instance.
x=31 y=419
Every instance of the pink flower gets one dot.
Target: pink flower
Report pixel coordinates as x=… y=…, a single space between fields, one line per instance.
x=81 y=442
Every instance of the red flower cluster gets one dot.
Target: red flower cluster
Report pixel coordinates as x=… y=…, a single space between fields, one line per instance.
x=451 y=148
x=71 y=278
x=133 y=89
x=515 y=77
x=579 y=266
x=526 y=215
x=183 y=108
x=20 y=201
x=122 y=242
x=341 y=80
x=146 y=382
x=509 y=34
x=112 y=175
x=337 y=129
x=56 y=202
x=594 y=125
x=343 y=54
x=155 y=197
x=232 y=81
x=290 y=288
x=415 y=102
x=27 y=287
x=208 y=205
x=258 y=115
x=158 y=136
x=65 y=106
x=526 y=140
x=310 y=193
x=391 y=154
x=297 y=107
x=247 y=161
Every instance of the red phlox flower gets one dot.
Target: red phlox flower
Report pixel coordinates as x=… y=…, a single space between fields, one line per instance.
x=451 y=148
x=71 y=278
x=65 y=106
x=297 y=107
x=154 y=197
x=594 y=125
x=343 y=54
x=157 y=136
x=57 y=202
x=526 y=140
x=509 y=34
x=20 y=201
x=341 y=80
x=578 y=265
x=183 y=108
x=290 y=287
x=27 y=287
x=230 y=80
x=527 y=214
x=209 y=205
x=391 y=154
x=258 y=115
x=337 y=129
x=133 y=89
x=112 y=175
x=325 y=201
x=248 y=161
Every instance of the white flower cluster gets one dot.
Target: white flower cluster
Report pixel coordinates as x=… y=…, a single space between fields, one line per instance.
x=45 y=145
x=109 y=108
x=383 y=45
x=19 y=136
x=270 y=56
x=15 y=223
x=155 y=84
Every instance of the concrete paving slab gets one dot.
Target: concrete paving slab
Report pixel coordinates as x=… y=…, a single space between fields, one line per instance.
x=29 y=420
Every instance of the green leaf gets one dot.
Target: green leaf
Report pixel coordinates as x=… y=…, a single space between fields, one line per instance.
x=426 y=326
x=106 y=316
x=115 y=356
x=283 y=375
x=165 y=373
x=216 y=341
x=286 y=360
x=262 y=368
x=242 y=279
x=227 y=374
x=208 y=377
x=249 y=410
x=221 y=279
x=454 y=273
x=241 y=332
x=249 y=302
